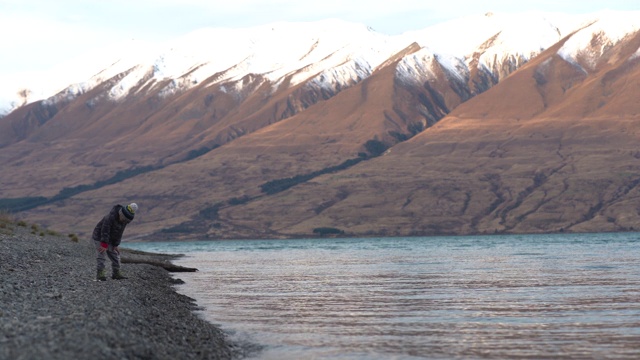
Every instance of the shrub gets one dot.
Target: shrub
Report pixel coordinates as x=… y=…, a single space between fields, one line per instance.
x=22 y=204
x=327 y=231
x=118 y=177
x=239 y=200
x=53 y=233
x=415 y=128
x=199 y=152
x=400 y=137
x=177 y=229
x=279 y=185
x=73 y=237
x=5 y=217
x=6 y=226
x=375 y=147
x=210 y=212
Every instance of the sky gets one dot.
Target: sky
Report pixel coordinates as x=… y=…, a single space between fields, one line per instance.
x=40 y=36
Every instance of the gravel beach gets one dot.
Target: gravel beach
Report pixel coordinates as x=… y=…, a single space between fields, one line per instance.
x=51 y=306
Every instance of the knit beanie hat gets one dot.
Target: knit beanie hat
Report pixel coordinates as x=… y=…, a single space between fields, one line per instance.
x=129 y=211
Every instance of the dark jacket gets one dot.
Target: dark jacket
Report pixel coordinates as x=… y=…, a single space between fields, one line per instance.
x=110 y=228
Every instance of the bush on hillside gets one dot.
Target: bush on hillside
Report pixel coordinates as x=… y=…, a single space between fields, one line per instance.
x=375 y=147
x=327 y=231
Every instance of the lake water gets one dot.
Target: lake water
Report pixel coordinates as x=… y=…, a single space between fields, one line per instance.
x=483 y=297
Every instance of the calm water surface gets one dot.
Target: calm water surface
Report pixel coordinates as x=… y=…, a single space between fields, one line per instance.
x=496 y=297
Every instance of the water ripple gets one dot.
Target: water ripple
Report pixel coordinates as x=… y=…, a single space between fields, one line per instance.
x=560 y=296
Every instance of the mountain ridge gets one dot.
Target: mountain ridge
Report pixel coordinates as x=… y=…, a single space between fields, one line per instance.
x=179 y=56
x=341 y=130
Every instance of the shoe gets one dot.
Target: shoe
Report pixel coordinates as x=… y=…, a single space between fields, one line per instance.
x=118 y=276
x=102 y=276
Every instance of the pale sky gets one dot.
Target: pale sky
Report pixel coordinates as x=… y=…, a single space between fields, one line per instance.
x=38 y=35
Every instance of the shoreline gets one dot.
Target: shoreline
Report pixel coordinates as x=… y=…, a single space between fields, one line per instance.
x=51 y=306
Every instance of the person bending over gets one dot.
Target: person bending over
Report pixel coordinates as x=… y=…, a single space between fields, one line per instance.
x=107 y=236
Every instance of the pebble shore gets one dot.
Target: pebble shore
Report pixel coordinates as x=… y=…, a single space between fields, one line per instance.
x=51 y=306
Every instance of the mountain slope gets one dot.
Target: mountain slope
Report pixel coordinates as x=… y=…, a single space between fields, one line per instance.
x=283 y=134
x=522 y=157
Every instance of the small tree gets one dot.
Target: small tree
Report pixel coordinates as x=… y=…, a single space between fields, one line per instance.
x=375 y=147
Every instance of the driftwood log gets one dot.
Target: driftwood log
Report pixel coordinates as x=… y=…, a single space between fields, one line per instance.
x=130 y=256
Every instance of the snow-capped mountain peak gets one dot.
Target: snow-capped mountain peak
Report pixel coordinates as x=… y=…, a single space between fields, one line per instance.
x=589 y=43
x=302 y=50
x=331 y=53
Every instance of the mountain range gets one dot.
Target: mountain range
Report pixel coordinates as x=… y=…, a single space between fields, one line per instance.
x=496 y=123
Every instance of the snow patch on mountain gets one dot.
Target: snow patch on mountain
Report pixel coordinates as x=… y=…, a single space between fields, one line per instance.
x=346 y=74
x=454 y=66
x=512 y=33
x=585 y=47
x=417 y=68
x=517 y=42
x=323 y=50
x=331 y=54
x=486 y=41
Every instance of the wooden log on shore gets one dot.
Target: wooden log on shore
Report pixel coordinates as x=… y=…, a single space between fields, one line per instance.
x=130 y=256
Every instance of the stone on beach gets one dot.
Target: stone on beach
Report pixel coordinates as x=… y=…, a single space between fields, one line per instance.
x=51 y=307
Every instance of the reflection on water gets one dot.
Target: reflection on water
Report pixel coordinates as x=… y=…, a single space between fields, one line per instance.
x=561 y=296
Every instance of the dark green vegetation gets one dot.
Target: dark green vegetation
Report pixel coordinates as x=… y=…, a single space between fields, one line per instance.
x=27 y=203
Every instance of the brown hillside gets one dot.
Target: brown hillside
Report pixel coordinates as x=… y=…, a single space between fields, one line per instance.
x=326 y=134
x=533 y=154
x=551 y=147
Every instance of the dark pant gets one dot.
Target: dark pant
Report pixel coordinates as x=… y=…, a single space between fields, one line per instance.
x=113 y=255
